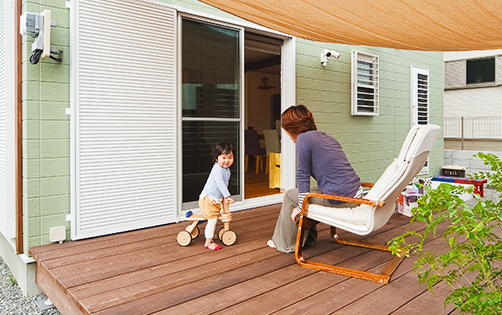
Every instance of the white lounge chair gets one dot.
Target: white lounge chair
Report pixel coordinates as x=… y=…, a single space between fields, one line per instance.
x=374 y=210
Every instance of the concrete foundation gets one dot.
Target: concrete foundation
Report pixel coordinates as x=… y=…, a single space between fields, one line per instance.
x=22 y=267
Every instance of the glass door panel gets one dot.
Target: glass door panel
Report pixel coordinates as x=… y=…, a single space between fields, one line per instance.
x=210 y=103
x=199 y=138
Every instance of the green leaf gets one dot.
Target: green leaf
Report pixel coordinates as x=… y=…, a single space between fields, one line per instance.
x=478 y=227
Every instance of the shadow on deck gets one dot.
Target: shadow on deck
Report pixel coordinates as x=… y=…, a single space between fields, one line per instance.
x=147 y=272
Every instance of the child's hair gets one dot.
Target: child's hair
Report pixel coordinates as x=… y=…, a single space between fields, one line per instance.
x=297 y=120
x=222 y=148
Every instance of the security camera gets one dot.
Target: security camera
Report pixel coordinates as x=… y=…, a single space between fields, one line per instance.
x=328 y=53
x=332 y=53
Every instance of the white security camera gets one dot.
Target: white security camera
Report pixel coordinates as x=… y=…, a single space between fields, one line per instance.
x=328 y=53
x=332 y=53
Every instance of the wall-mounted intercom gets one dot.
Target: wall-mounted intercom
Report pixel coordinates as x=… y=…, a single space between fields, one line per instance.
x=38 y=25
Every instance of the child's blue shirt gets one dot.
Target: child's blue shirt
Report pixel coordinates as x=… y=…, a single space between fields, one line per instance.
x=217 y=183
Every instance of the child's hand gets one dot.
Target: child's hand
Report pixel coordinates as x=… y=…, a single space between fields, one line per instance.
x=230 y=200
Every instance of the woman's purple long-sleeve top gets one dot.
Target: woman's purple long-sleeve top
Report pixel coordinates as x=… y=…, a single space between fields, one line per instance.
x=321 y=156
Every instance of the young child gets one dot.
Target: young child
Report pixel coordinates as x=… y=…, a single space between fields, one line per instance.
x=215 y=193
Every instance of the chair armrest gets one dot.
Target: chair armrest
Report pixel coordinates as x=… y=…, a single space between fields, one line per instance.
x=345 y=199
x=366 y=184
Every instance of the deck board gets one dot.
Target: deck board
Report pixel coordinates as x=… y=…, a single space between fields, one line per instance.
x=147 y=272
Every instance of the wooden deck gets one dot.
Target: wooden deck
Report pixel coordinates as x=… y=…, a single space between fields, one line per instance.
x=147 y=272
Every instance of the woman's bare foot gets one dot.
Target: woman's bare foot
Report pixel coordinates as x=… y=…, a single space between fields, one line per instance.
x=270 y=243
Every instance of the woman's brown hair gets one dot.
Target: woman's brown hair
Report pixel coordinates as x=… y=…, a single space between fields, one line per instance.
x=297 y=119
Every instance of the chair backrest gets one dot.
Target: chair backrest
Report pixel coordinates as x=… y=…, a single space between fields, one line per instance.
x=252 y=143
x=402 y=170
x=364 y=219
x=272 y=143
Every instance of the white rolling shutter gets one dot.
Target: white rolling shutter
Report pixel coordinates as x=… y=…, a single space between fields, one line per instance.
x=498 y=69
x=455 y=73
x=123 y=116
x=7 y=122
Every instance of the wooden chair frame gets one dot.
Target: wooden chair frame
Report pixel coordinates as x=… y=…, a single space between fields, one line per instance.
x=306 y=223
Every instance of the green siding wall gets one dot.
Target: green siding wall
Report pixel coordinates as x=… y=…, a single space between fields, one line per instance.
x=46 y=131
x=370 y=142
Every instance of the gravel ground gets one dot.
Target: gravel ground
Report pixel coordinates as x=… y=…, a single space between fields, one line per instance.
x=12 y=300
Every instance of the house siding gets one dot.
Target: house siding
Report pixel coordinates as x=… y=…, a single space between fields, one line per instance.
x=474 y=100
x=46 y=132
x=370 y=142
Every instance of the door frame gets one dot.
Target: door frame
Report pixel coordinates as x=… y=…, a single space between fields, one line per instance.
x=288 y=98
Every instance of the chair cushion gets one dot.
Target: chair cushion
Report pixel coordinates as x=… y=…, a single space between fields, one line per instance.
x=345 y=218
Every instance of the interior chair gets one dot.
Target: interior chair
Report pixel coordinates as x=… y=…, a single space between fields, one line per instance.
x=374 y=209
x=253 y=148
x=272 y=144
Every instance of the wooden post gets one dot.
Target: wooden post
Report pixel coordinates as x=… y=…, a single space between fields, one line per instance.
x=19 y=135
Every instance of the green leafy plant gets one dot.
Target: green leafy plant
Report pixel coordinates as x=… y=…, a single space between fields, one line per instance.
x=11 y=279
x=472 y=261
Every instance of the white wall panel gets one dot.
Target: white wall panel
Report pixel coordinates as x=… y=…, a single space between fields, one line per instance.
x=7 y=120
x=482 y=102
x=123 y=115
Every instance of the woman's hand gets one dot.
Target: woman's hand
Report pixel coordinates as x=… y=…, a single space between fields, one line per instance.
x=294 y=214
x=229 y=200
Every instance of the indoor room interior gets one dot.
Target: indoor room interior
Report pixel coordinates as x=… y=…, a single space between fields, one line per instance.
x=262 y=115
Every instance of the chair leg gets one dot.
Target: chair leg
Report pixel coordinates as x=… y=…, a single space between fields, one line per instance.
x=246 y=162
x=383 y=277
x=266 y=165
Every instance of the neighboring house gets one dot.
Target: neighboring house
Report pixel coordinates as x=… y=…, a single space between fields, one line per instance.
x=117 y=136
x=472 y=107
x=473 y=83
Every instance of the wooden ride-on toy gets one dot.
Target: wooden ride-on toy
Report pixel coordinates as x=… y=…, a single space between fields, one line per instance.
x=191 y=232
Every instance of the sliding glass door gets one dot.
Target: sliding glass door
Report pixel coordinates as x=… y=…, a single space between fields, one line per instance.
x=211 y=103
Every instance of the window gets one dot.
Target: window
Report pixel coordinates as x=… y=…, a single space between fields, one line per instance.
x=420 y=102
x=364 y=84
x=480 y=70
x=419 y=96
x=211 y=103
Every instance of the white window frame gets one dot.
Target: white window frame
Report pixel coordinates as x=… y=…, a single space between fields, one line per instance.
x=364 y=77
x=200 y=19
x=418 y=103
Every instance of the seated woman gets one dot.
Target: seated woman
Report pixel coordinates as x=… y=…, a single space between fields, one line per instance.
x=318 y=155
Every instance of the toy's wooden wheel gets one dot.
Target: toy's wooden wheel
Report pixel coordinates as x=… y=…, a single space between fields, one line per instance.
x=184 y=238
x=195 y=232
x=228 y=237
x=220 y=233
